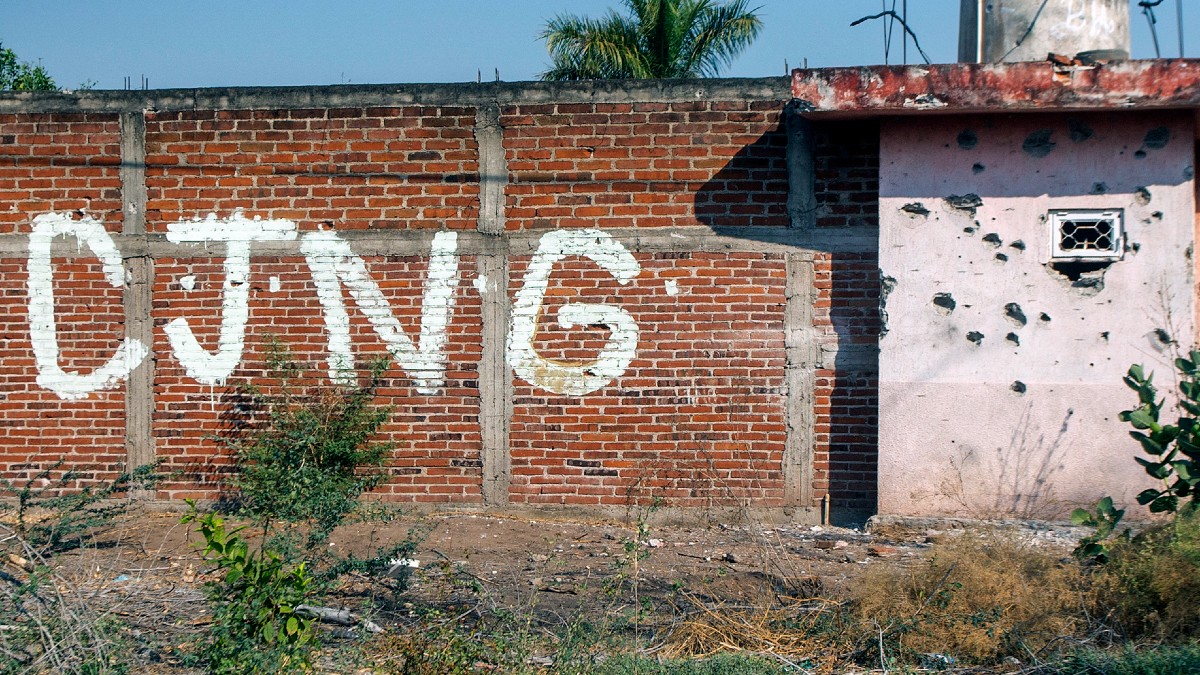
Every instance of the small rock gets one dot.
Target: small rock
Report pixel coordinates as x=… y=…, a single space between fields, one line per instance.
x=840 y=544
x=732 y=557
x=538 y=558
x=882 y=550
x=654 y=543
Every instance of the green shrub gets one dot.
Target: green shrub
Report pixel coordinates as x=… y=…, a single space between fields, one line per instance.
x=1150 y=587
x=307 y=452
x=255 y=626
x=1151 y=661
x=1104 y=520
x=1174 y=448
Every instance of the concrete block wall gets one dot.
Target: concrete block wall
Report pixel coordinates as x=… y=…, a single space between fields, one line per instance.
x=596 y=295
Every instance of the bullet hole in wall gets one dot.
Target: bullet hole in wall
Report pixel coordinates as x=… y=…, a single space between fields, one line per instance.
x=993 y=239
x=1018 y=244
x=968 y=202
x=1013 y=338
x=1084 y=276
x=886 y=286
x=1039 y=143
x=915 y=209
x=1077 y=130
x=945 y=302
x=1157 y=138
x=1018 y=387
x=967 y=139
x=975 y=337
x=977 y=168
x=1014 y=313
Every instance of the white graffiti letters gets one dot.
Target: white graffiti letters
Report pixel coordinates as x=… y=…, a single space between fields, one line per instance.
x=332 y=264
x=236 y=233
x=43 y=332
x=569 y=378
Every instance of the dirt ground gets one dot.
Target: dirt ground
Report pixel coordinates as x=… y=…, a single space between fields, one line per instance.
x=148 y=573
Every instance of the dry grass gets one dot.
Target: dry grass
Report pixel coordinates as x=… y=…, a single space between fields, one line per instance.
x=978 y=598
x=804 y=632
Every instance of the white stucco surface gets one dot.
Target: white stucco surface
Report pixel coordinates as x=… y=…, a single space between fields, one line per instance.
x=1005 y=400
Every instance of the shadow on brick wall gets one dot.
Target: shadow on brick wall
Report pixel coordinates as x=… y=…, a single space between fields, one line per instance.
x=750 y=193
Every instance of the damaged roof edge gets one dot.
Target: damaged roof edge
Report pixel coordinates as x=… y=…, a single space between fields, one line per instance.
x=1007 y=87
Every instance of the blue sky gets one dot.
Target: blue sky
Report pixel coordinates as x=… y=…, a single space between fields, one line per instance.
x=294 y=42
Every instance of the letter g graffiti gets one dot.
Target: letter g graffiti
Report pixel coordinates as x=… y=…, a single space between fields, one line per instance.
x=573 y=379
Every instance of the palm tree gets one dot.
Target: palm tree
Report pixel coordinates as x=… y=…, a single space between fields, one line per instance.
x=660 y=39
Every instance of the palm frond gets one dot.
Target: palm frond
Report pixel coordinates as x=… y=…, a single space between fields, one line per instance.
x=719 y=34
x=658 y=39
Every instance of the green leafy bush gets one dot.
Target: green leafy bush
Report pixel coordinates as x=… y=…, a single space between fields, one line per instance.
x=1174 y=449
x=255 y=627
x=308 y=452
x=1105 y=519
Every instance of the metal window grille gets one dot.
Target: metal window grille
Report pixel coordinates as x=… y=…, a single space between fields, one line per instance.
x=1087 y=234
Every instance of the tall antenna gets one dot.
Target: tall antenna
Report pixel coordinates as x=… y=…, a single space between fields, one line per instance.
x=1179 y=24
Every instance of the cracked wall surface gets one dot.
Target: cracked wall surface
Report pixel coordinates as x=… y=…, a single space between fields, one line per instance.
x=1000 y=370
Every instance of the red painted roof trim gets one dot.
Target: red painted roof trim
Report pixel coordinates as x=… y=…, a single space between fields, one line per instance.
x=1008 y=87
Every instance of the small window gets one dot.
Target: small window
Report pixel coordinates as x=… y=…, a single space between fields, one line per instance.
x=1087 y=234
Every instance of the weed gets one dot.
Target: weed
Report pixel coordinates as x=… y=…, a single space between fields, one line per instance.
x=1156 y=661
x=724 y=664
x=255 y=627
x=47 y=624
x=443 y=645
x=52 y=516
x=1151 y=584
x=980 y=598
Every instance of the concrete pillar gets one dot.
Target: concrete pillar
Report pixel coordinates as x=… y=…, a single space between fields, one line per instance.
x=1028 y=30
x=139 y=325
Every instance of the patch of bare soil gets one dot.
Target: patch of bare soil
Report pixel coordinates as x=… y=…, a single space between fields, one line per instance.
x=148 y=574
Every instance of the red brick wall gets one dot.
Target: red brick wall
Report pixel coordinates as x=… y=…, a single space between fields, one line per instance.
x=645 y=164
x=397 y=168
x=696 y=419
x=847 y=174
x=59 y=162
